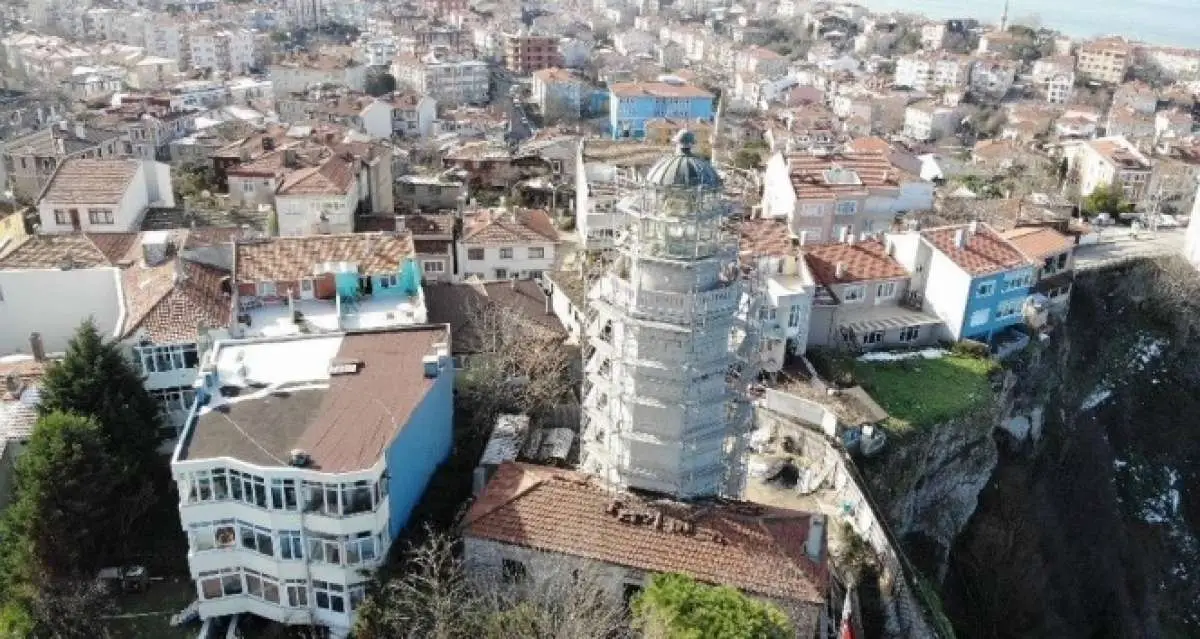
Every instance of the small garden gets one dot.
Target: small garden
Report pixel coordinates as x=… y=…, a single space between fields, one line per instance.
x=917 y=391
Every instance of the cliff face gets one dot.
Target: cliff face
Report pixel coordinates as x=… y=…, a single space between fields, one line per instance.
x=1072 y=509
x=1091 y=529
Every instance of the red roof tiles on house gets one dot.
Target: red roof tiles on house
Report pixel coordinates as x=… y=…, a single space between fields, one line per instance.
x=195 y=298
x=766 y=237
x=754 y=548
x=294 y=258
x=79 y=250
x=1038 y=242
x=87 y=181
x=827 y=177
x=497 y=226
x=862 y=261
x=983 y=251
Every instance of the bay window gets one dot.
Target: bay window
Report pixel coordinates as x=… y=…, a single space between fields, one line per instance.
x=329 y=596
x=257 y=539
x=297 y=593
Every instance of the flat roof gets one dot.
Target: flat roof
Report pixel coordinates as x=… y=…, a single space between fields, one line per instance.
x=278 y=395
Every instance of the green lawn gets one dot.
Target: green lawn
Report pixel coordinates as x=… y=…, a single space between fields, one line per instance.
x=922 y=392
x=163 y=599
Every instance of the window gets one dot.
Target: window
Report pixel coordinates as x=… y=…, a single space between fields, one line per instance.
x=324 y=548
x=475 y=254
x=257 y=539
x=357 y=594
x=164 y=359
x=388 y=281
x=874 y=337
x=506 y=253
x=1019 y=280
x=62 y=217
x=537 y=252
x=215 y=584
x=357 y=498
x=512 y=570
x=360 y=549
x=291 y=545
x=215 y=535
x=855 y=293
x=847 y=208
x=100 y=216
x=329 y=596
x=910 y=334
x=297 y=593
x=985 y=289
x=283 y=494
x=501 y=273
x=247 y=186
x=979 y=318
x=248 y=489
x=794 y=315
x=261 y=586
x=767 y=313
x=434 y=266
x=1008 y=308
x=266 y=289
x=885 y=290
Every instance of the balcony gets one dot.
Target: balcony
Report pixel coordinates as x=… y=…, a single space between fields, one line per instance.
x=670 y=307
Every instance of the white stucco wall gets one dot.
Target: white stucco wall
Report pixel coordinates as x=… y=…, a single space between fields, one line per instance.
x=491 y=261
x=54 y=302
x=779 y=198
x=946 y=292
x=127 y=212
x=299 y=214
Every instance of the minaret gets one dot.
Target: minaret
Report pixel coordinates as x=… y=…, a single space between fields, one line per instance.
x=662 y=410
x=1004 y=18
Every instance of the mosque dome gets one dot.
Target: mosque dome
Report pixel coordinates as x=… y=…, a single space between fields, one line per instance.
x=684 y=169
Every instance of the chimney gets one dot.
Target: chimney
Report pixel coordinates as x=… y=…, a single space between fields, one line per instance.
x=973 y=227
x=840 y=270
x=290 y=159
x=803 y=238
x=814 y=544
x=400 y=227
x=851 y=239
x=960 y=238
x=80 y=130
x=430 y=362
x=36 y=347
x=842 y=233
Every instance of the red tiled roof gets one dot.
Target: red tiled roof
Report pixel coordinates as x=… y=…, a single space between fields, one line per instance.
x=294 y=258
x=81 y=250
x=87 y=181
x=754 y=548
x=983 y=252
x=766 y=237
x=1037 y=242
x=334 y=176
x=864 y=260
x=809 y=174
x=497 y=226
x=195 y=299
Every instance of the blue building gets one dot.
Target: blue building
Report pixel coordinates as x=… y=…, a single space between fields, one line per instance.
x=302 y=460
x=971 y=277
x=630 y=105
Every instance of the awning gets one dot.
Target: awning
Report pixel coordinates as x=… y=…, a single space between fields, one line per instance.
x=887 y=318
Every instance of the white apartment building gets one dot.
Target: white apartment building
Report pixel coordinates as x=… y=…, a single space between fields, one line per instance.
x=925 y=72
x=448 y=82
x=103 y=196
x=1179 y=63
x=1109 y=160
x=926 y=121
x=299 y=73
x=1060 y=88
x=786 y=306
x=1105 y=59
x=498 y=245
x=992 y=78
x=292 y=494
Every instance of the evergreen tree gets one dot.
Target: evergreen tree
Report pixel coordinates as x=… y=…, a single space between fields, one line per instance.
x=59 y=527
x=96 y=380
x=679 y=607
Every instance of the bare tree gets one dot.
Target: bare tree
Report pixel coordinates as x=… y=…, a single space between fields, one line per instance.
x=436 y=598
x=521 y=366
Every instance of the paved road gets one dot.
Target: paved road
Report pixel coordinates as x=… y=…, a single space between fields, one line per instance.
x=1119 y=244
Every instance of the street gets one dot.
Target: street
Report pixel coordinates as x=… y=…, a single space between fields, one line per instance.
x=1119 y=244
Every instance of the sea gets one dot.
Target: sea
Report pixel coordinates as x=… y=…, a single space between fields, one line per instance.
x=1161 y=22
